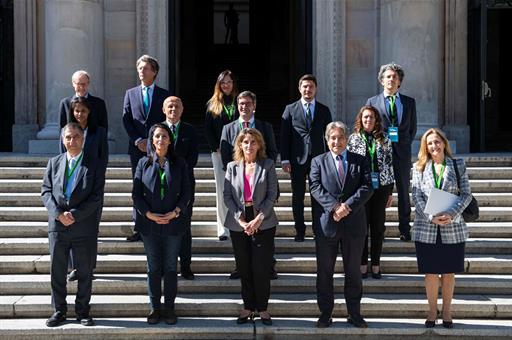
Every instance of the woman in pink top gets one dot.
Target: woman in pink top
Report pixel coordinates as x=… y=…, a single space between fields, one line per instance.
x=250 y=189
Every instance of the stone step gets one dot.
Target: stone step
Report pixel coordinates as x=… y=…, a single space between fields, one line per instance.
x=124 y=214
x=209 y=229
x=207 y=173
x=133 y=284
x=208 y=185
x=207 y=199
x=206 y=245
x=225 y=328
x=224 y=263
x=280 y=305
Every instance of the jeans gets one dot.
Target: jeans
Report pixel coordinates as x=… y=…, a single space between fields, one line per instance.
x=162 y=256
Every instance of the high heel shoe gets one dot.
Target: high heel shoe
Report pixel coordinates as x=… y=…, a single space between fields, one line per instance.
x=430 y=324
x=243 y=319
x=377 y=275
x=447 y=324
x=265 y=318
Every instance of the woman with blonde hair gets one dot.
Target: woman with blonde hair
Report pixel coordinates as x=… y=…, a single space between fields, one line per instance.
x=440 y=238
x=221 y=109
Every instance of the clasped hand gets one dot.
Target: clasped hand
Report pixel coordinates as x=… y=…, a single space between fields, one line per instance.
x=251 y=227
x=442 y=219
x=161 y=218
x=66 y=218
x=341 y=211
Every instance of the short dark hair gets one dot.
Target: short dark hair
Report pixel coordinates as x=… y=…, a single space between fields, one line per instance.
x=308 y=77
x=246 y=94
x=171 y=154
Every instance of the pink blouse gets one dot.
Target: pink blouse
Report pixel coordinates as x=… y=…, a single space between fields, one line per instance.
x=248 y=185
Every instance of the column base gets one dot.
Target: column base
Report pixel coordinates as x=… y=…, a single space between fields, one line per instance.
x=21 y=133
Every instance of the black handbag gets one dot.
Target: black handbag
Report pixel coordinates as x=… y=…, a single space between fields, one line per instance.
x=472 y=212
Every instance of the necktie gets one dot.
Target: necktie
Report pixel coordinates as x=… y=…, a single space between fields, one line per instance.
x=246 y=125
x=309 y=119
x=145 y=100
x=173 y=129
x=392 y=110
x=69 y=183
x=341 y=169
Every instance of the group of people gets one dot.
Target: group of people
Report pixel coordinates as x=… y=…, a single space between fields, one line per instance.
x=351 y=178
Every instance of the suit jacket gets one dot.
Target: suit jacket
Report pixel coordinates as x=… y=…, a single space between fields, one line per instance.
x=264 y=193
x=133 y=114
x=407 y=126
x=328 y=191
x=213 y=127
x=97 y=117
x=146 y=195
x=186 y=146
x=86 y=198
x=423 y=229
x=295 y=134
x=95 y=145
x=231 y=131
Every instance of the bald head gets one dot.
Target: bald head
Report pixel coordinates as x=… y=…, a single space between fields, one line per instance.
x=173 y=108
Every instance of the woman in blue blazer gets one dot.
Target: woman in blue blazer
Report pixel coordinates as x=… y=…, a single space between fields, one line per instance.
x=161 y=190
x=250 y=190
x=440 y=238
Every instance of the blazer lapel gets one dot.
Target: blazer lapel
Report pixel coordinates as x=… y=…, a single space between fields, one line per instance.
x=257 y=173
x=240 y=180
x=334 y=170
x=61 y=174
x=448 y=174
x=381 y=105
x=138 y=99
x=79 y=175
x=299 y=111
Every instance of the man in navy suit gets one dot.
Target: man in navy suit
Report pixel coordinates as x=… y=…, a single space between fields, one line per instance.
x=398 y=113
x=98 y=113
x=142 y=109
x=340 y=182
x=72 y=192
x=302 y=127
x=186 y=146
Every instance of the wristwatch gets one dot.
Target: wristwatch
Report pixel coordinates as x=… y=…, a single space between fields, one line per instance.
x=177 y=212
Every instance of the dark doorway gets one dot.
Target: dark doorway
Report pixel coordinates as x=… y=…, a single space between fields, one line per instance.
x=489 y=75
x=6 y=74
x=269 y=52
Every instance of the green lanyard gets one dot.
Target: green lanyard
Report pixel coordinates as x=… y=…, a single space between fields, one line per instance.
x=70 y=172
x=175 y=134
x=230 y=110
x=437 y=180
x=371 y=150
x=161 y=172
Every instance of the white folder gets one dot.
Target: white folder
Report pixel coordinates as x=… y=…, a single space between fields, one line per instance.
x=439 y=201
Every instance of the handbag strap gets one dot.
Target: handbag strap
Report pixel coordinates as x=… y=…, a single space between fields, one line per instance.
x=456 y=168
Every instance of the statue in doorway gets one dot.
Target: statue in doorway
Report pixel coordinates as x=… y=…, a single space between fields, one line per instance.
x=231 y=19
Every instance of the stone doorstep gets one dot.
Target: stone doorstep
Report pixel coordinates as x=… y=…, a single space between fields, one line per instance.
x=208 y=185
x=209 y=229
x=130 y=284
x=124 y=214
x=225 y=328
x=201 y=245
x=280 y=305
x=202 y=199
x=224 y=263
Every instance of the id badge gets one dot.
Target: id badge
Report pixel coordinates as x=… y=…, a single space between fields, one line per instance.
x=375 y=180
x=393 y=134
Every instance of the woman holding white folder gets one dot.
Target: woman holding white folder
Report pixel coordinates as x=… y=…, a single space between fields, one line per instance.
x=440 y=238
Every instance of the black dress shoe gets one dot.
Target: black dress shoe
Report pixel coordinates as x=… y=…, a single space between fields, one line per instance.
x=364 y=275
x=85 y=320
x=266 y=321
x=243 y=319
x=154 y=317
x=235 y=275
x=299 y=238
x=73 y=276
x=377 y=275
x=134 y=238
x=357 y=321
x=447 y=324
x=405 y=238
x=169 y=316
x=187 y=274
x=56 y=319
x=430 y=324
x=324 y=321
x=223 y=238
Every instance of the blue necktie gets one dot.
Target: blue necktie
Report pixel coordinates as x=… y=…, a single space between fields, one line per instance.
x=69 y=184
x=341 y=168
x=145 y=100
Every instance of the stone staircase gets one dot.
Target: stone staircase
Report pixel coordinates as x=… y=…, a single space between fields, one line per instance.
x=395 y=306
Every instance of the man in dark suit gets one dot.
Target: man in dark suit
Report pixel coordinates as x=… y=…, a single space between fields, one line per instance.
x=246 y=101
x=142 y=108
x=246 y=106
x=302 y=127
x=98 y=114
x=340 y=182
x=185 y=146
x=72 y=192
x=398 y=113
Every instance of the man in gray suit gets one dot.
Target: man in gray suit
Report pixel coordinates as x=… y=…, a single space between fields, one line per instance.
x=72 y=192
x=398 y=113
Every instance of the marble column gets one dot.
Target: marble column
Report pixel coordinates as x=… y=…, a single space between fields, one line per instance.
x=74 y=37
x=25 y=68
